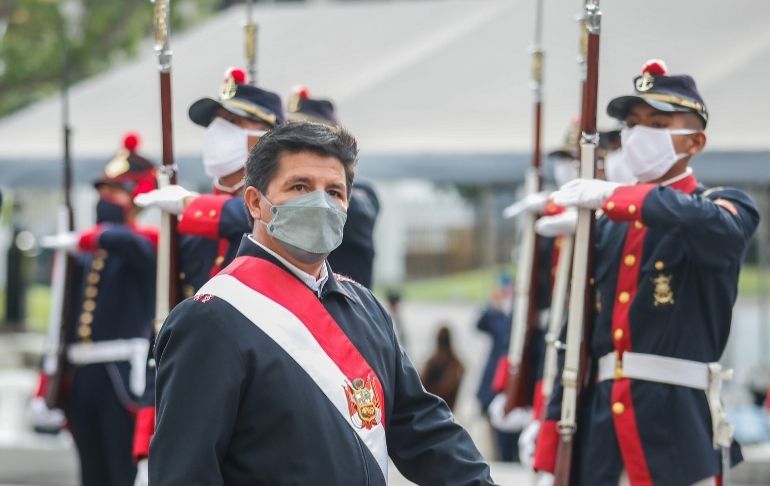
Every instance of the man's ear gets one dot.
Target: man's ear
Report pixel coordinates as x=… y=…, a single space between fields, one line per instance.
x=697 y=143
x=252 y=197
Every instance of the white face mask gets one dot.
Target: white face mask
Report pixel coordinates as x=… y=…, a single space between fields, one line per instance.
x=564 y=170
x=616 y=168
x=649 y=152
x=226 y=147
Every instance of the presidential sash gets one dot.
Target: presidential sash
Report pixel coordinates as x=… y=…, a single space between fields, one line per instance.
x=293 y=317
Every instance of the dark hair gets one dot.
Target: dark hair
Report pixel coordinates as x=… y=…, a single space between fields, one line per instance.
x=300 y=136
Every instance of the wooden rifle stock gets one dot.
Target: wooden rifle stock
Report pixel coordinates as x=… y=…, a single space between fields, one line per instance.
x=574 y=374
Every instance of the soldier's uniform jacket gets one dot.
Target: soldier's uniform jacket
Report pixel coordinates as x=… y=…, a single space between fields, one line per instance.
x=263 y=381
x=666 y=277
x=210 y=230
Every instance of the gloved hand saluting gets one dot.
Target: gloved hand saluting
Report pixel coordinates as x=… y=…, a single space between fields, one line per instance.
x=171 y=199
x=584 y=193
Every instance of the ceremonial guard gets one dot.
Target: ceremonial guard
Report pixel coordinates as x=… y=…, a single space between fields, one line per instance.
x=211 y=225
x=354 y=258
x=665 y=276
x=296 y=372
x=113 y=322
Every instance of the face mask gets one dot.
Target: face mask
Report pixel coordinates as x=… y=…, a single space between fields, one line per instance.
x=564 y=170
x=109 y=212
x=649 y=152
x=309 y=227
x=230 y=190
x=225 y=148
x=616 y=168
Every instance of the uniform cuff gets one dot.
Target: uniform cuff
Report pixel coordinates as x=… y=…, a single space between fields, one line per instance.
x=202 y=216
x=552 y=209
x=625 y=202
x=89 y=239
x=500 y=378
x=546 y=447
x=538 y=404
x=143 y=430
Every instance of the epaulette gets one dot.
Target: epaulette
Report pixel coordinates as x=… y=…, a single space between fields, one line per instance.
x=345 y=278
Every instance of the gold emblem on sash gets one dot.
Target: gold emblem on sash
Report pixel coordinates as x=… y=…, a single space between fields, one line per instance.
x=363 y=403
x=663 y=294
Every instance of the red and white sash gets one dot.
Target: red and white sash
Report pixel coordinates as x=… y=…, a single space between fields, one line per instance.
x=292 y=316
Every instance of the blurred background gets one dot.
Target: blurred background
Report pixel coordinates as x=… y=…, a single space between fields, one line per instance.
x=437 y=93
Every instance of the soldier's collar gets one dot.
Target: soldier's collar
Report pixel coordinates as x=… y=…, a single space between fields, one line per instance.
x=685 y=182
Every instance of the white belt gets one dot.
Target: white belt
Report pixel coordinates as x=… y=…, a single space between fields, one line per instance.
x=132 y=350
x=679 y=372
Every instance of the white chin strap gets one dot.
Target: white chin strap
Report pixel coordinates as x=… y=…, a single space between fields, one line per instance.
x=229 y=189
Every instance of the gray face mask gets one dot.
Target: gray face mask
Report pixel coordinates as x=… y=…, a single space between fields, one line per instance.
x=309 y=227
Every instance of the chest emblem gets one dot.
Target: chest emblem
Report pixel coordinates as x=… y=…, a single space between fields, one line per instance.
x=363 y=403
x=662 y=293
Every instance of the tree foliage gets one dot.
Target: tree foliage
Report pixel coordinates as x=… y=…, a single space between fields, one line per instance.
x=34 y=38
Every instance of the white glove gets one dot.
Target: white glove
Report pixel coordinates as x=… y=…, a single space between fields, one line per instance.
x=142 y=473
x=44 y=419
x=170 y=199
x=544 y=479
x=584 y=193
x=516 y=420
x=562 y=224
x=67 y=241
x=527 y=441
x=534 y=203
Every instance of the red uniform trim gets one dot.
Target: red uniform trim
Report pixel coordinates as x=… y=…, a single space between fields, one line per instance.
x=546 y=446
x=284 y=289
x=202 y=216
x=552 y=209
x=42 y=384
x=89 y=239
x=628 y=434
x=625 y=203
x=500 y=378
x=143 y=431
x=149 y=232
x=538 y=401
x=222 y=248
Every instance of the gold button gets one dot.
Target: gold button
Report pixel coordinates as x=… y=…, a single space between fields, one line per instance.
x=188 y=291
x=97 y=264
x=182 y=275
x=632 y=209
x=610 y=206
x=89 y=305
x=86 y=318
x=84 y=331
x=629 y=260
x=198 y=214
x=659 y=265
x=93 y=278
x=638 y=225
x=91 y=291
x=618 y=334
x=212 y=213
x=591 y=281
x=618 y=408
x=100 y=253
x=624 y=297
x=219 y=260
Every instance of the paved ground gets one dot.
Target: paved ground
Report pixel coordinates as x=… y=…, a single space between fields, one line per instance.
x=31 y=459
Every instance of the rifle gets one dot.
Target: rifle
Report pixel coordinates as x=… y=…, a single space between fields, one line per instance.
x=250 y=37
x=578 y=324
x=55 y=364
x=556 y=314
x=519 y=388
x=167 y=291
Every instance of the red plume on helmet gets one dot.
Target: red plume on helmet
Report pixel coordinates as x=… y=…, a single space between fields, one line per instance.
x=655 y=67
x=301 y=91
x=238 y=75
x=131 y=141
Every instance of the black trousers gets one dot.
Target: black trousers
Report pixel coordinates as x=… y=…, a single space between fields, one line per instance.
x=102 y=424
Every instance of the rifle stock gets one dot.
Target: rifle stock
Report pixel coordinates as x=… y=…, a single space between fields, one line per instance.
x=580 y=310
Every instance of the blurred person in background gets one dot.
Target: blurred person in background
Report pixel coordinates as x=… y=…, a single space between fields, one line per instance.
x=443 y=372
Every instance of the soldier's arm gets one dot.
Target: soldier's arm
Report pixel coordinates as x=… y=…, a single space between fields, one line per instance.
x=199 y=376
x=424 y=442
x=215 y=216
x=715 y=226
x=136 y=246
